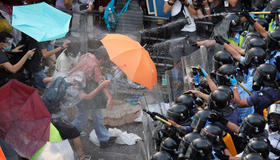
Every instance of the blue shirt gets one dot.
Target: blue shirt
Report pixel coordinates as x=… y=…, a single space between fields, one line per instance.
x=272 y=61
x=260 y=101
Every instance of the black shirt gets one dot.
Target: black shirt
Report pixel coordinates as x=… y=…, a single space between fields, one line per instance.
x=3 y=57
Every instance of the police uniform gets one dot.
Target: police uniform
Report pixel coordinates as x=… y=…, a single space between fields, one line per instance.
x=265 y=97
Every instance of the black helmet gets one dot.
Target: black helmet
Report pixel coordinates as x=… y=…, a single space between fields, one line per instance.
x=273 y=5
x=273 y=39
x=204 y=88
x=264 y=75
x=273 y=117
x=170 y=146
x=184 y=145
x=252 y=126
x=222 y=57
x=250 y=36
x=178 y=113
x=263 y=22
x=228 y=90
x=226 y=70
x=252 y=156
x=199 y=120
x=256 y=42
x=257 y=146
x=200 y=149
x=188 y=101
x=235 y=24
x=161 y=156
x=257 y=5
x=219 y=100
x=213 y=133
x=255 y=57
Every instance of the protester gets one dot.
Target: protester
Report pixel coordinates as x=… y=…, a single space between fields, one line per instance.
x=5 y=45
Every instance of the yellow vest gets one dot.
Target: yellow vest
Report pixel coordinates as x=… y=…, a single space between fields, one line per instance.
x=237 y=44
x=272 y=26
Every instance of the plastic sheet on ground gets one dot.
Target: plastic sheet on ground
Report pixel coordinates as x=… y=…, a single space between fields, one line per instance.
x=57 y=151
x=122 y=137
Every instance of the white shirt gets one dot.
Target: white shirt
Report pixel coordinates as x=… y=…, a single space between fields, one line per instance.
x=176 y=8
x=274 y=139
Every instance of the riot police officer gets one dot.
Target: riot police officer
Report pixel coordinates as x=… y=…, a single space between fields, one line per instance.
x=264 y=82
x=161 y=156
x=200 y=149
x=184 y=144
x=170 y=146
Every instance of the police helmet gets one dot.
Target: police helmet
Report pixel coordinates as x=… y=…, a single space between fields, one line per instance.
x=170 y=146
x=161 y=156
x=200 y=149
x=200 y=119
x=264 y=75
x=204 y=88
x=252 y=126
x=219 y=100
x=273 y=5
x=257 y=146
x=252 y=156
x=213 y=133
x=228 y=90
x=255 y=57
x=186 y=141
x=225 y=71
x=256 y=42
x=222 y=57
x=273 y=39
x=178 y=113
x=248 y=37
x=188 y=101
x=235 y=24
x=273 y=117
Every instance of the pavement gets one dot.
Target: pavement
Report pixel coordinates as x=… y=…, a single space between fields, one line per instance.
x=116 y=151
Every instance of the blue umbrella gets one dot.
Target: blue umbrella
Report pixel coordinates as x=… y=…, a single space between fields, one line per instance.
x=41 y=21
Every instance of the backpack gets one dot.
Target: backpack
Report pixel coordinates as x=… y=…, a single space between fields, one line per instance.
x=109 y=13
x=54 y=93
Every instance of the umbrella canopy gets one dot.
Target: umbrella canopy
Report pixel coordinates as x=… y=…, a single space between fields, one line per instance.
x=41 y=21
x=131 y=58
x=24 y=119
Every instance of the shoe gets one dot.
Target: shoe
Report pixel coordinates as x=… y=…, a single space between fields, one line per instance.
x=83 y=134
x=108 y=143
x=84 y=157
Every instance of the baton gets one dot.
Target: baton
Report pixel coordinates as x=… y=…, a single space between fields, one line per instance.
x=245 y=89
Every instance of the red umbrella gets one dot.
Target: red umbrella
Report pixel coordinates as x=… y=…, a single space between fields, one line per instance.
x=24 y=119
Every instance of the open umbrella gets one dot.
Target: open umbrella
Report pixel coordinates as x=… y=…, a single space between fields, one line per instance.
x=131 y=58
x=41 y=21
x=24 y=119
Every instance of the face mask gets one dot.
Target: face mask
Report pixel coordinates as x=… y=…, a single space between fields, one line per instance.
x=8 y=48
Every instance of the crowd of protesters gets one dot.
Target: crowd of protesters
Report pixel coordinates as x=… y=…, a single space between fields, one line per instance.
x=240 y=100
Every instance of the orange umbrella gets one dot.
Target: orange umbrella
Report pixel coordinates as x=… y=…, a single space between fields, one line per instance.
x=131 y=58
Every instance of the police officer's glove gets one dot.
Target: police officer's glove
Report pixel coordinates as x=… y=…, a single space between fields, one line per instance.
x=220 y=40
x=221 y=156
x=232 y=80
x=217 y=117
x=248 y=17
x=203 y=72
x=277 y=63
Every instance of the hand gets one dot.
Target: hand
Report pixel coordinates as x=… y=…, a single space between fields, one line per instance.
x=221 y=40
x=101 y=9
x=232 y=80
x=30 y=53
x=66 y=44
x=17 y=49
x=247 y=16
x=195 y=92
x=203 y=72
